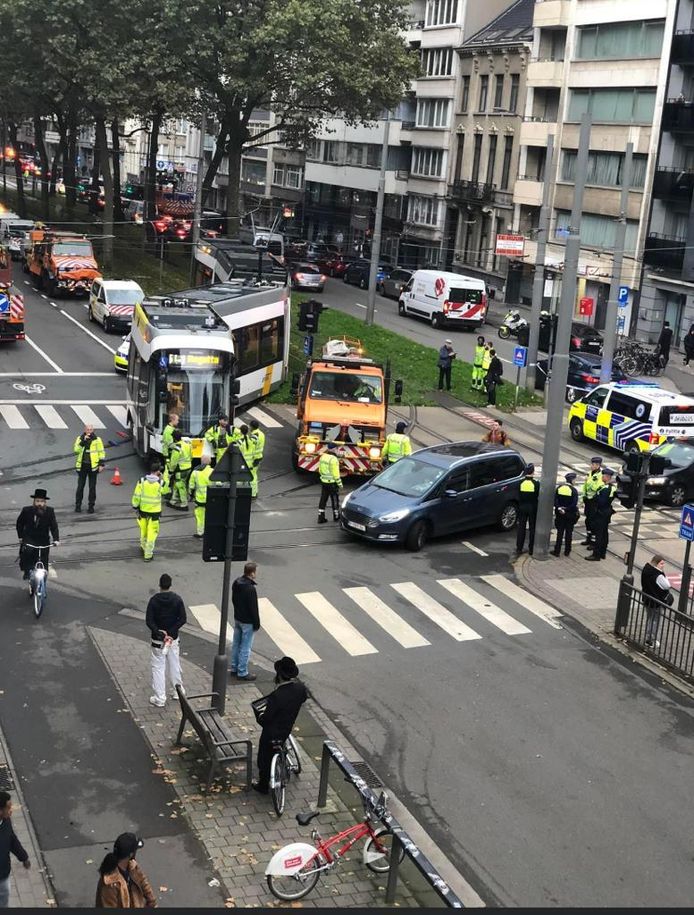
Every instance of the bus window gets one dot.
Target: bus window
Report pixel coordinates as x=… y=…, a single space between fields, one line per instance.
x=246 y=346
x=196 y=386
x=270 y=342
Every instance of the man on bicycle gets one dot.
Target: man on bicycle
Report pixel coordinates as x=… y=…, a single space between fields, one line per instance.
x=36 y=527
x=278 y=719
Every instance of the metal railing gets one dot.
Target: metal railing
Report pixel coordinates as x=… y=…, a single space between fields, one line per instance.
x=661 y=631
x=401 y=840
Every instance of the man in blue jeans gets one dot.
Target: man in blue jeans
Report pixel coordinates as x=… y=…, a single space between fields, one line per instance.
x=246 y=622
x=9 y=844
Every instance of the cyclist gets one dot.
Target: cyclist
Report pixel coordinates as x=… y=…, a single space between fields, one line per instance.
x=36 y=526
x=278 y=719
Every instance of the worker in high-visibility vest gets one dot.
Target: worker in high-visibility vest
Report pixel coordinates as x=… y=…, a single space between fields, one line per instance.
x=397 y=445
x=331 y=483
x=146 y=501
x=166 y=443
x=90 y=461
x=258 y=437
x=179 y=464
x=220 y=436
x=486 y=362
x=197 y=487
x=248 y=448
x=478 y=371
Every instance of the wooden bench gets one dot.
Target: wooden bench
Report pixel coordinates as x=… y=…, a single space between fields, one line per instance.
x=220 y=746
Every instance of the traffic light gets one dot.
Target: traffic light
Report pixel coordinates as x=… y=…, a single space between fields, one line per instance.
x=309 y=312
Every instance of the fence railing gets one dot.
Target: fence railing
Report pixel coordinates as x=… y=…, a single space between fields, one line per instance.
x=661 y=631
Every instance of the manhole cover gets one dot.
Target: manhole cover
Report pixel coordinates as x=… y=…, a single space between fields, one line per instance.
x=365 y=771
x=6 y=782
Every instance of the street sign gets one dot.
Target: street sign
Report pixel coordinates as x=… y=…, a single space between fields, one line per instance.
x=510 y=245
x=687 y=522
x=520 y=356
x=623 y=296
x=308 y=345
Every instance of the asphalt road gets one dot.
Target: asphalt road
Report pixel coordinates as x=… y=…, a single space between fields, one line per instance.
x=549 y=769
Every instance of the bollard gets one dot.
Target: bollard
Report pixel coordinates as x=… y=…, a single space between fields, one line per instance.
x=394 y=869
x=623 y=607
x=324 y=777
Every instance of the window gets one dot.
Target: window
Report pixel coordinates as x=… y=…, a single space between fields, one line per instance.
x=465 y=101
x=253 y=172
x=597 y=231
x=515 y=86
x=457 y=482
x=605 y=168
x=329 y=151
x=278 y=175
x=482 y=473
x=432 y=112
x=294 y=176
x=491 y=158
x=423 y=210
x=373 y=155
x=255 y=128
x=498 y=90
x=508 y=467
x=258 y=345
x=428 y=163
x=355 y=154
x=484 y=88
x=506 y=167
x=476 y=156
x=437 y=61
x=622 y=40
x=441 y=12
x=627 y=106
x=628 y=406
x=313 y=148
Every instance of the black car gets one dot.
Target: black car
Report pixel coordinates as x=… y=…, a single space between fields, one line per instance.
x=583 y=376
x=584 y=338
x=675 y=485
x=357 y=273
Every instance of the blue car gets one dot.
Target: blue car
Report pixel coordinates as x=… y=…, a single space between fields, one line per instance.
x=437 y=491
x=357 y=273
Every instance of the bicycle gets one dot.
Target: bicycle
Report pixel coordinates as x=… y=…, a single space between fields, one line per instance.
x=286 y=761
x=294 y=870
x=38 y=581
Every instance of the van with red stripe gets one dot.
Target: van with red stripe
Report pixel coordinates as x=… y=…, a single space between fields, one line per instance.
x=445 y=299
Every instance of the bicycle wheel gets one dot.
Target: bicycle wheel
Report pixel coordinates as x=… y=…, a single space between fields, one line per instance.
x=297 y=885
x=377 y=852
x=277 y=783
x=293 y=755
x=39 y=598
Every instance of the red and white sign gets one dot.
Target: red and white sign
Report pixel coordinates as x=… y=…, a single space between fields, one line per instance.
x=510 y=245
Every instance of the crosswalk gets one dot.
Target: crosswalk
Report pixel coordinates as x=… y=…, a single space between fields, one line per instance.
x=357 y=621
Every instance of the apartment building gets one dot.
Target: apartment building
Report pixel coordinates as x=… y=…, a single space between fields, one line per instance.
x=609 y=58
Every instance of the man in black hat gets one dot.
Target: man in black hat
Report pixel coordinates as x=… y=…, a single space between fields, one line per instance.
x=565 y=513
x=36 y=526
x=527 y=510
x=282 y=709
x=591 y=486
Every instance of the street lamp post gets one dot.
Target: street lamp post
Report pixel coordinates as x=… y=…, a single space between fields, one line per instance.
x=378 y=226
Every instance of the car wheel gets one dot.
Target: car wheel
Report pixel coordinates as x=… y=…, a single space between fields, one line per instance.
x=108 y=326
x=345 y=279
x=90 y=315
x=508 y=516
x=576 y=429
x=677 y=495
x=571 y=395
x=436 y=320
x=401 y=309
x=417 y=536
x=363 y=282
x=632 y=447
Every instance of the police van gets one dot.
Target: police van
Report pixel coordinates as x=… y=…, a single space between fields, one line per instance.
x=445 y=298
x=631 y=417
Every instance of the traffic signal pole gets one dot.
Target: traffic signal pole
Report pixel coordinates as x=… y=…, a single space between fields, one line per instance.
x=539 y=278
x=378 y=224
x=197 y=213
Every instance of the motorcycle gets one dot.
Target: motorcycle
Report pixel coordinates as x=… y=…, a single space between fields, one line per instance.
x=513 y=323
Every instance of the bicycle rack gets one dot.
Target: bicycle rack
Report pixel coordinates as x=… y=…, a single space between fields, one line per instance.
x=401 y=840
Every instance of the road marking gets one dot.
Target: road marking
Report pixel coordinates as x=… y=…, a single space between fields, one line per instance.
x=87 y=331
x=63 y=403
x=475 y=549
x=13 y=417
x=386 y=618
x=335 y=623
x=209 y=618
x=53 y=374
x=53 y=304
x=120 y=413
x=478 y=602
x=524 y=599
x=436 y=612
x=264 y=418
x=48 y=359
x=50 y=416
x=44 y=296
x=284 y=635
x=88 y=416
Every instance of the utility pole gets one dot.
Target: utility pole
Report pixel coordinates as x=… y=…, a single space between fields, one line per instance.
x=608 y=347
x=378 y=223
x=560 y=359
x=197 y=212
x=539 y=278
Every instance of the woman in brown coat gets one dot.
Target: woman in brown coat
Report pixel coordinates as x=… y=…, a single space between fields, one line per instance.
x=123 y=885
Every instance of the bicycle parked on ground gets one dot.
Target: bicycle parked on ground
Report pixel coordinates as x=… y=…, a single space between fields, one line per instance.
x=294 y=870
x=286 y=761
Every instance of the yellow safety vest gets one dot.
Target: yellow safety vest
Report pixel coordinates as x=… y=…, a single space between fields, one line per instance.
x=218 y=437
x=397 y=446
x=167 y=439
x=479 y=356
x=528 y=485
x=564 y=489
x=486 y=360
x=97 y=455
x=181 y=456
x=259 y=437
x=147 y=495
x=592 y=484
x=199 y=481
x=329 y=469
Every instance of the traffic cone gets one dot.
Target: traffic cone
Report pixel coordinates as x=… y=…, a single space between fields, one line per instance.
x=115 y=479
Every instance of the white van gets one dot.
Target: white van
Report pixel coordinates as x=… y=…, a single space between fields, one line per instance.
x=445 y=298
x=262 y=237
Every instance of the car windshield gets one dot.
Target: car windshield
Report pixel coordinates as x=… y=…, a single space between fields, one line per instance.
x=73 y=248
x=680 y=454
x=409 y=477
x=124 y=296
x=194 y=384
x=346 y=386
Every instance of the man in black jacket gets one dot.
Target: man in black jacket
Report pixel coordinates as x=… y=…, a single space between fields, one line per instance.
x=246 y=622
x=166 y=614
x=36 y=525
x=656 y=596
x=282 y=709
x=9 y=843
x=493 y=377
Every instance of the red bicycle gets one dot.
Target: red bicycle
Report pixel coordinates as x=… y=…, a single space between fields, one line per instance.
x=294 y=870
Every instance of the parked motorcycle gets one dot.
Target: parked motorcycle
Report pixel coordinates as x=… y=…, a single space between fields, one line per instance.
x=513 y=324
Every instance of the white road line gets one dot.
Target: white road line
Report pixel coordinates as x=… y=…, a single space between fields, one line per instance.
x=475 y=549
x=524 y=599
x=284 y=635
x=436 y=612
x=53 y=304
x=87 y=331
x=479 y=603
x=388 y=619
x=120 y=413
x=13 y=417
x=43 y=296
x=48 y=359
x=335 y=624
x=87 y=415
x=19 y=375
x=208 y=616
x=50 y=416
x=264 y=418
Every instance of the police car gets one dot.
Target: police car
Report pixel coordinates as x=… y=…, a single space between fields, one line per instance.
x=120 y=359
x=631 y=417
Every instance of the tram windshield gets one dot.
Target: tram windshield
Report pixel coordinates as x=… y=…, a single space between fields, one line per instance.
x=194 y=384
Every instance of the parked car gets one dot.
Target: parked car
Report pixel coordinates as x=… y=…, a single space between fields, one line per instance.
x=357 y=273
x=307 y=276
x=675 y=485
x=120 y=358
x=392 y=286
x=112 y=303
x=437 y=491
x=584 y=338
x=583 y=375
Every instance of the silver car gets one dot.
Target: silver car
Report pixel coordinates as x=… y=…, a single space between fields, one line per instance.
x=307 y=276
x=391 y=286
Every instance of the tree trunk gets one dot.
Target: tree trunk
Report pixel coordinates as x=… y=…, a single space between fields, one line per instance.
x=107 y=228
x=40 y=143
x=213 y=167
x=118 y=214
x=21 y=200
x=151 y=175
x=95 y=187
x=57 y=159
x=68 y=136
x=234 y=151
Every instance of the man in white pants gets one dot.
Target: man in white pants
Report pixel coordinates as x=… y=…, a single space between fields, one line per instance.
x=166 y=614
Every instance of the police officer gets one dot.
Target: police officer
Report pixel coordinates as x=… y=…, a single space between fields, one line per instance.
x=146 y=501
x=478 y=361
x=248 y=447
x=397 y=445
x=565 y=513
x=258 y=437
x=91 y=460
x=197 y=487
x=527 y=510
x=179 y=465
x=590 y=488
x=602 y=515
x=331 y=483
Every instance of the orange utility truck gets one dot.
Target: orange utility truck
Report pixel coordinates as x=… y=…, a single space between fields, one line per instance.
x=62 y=263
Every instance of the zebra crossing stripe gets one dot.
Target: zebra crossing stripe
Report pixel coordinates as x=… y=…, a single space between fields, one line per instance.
x=524 y=598
x=208 y=616
x=436 y=612
x=13 y=417
x=119 y=413
x=50 y=416
x=335 y=623
x=477 y=602
x=263 y=418
x=88 y=416
x=386 y=618
x=283 y=634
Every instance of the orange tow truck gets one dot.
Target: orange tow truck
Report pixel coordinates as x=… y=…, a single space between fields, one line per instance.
x=61 y=262
x=11 y=302
x=343 y=398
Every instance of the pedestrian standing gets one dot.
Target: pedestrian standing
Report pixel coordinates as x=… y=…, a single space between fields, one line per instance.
x=166 y=443
x=656 y=595
x=91 y=460
x=493 y=377
x=244 y=597
x=486 y=361
x=283 y=706
x=592 y=484
x=445 y=363
x=688 y=344
x=179 y=465
x=122 y=882
x=9 y=844
x=219 y=437
x=197 y=487
x=397 y=445
x=258 y=437
x=527 y=510
x=331 y=483
x=496 y=435
x=248 y=445
x=664 y=343
x=146 y=501
x=565 y=513
x=477 y=365
x=602 y=515
x=166 y=615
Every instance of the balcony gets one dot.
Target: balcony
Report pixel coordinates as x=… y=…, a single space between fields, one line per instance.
x=552 y=13
x=535 y=131
x=673 y=184
x=665 y=251
x=472 y=192
x=683 y=48
x=678 y=116
x=528 y=191
x=546 y=74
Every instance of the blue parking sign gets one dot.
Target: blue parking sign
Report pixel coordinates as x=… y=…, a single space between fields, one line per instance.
x=623 y=295
x=687 y=522
x=520 y=356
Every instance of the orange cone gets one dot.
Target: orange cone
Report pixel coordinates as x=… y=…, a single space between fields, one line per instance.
x=115 y=479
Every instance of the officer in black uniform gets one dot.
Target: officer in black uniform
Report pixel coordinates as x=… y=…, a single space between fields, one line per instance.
x=565 y=513
x=527 y=510
x=602 y=515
